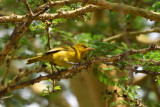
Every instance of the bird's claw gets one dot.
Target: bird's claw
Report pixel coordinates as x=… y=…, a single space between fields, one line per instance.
x=76 y=65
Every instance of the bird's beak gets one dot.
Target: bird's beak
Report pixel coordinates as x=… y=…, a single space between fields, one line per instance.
x=89 y=49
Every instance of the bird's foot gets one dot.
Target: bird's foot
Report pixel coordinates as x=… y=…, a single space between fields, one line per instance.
x=76 y=65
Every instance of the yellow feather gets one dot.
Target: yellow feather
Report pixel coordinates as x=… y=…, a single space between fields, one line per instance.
x=63 y=56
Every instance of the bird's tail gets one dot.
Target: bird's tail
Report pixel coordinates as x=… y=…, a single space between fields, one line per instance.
x=34 y=59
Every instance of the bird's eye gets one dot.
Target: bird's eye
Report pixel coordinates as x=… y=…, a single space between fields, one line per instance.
x=84 y=46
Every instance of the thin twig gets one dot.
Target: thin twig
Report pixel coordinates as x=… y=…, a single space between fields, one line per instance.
x=131 y=34
x=147 y=61
x=41 y=12
x=48 y=24
x=8 y=66
x=56 y=3
x=6 y=97
x=28 y=7
x=48 y=34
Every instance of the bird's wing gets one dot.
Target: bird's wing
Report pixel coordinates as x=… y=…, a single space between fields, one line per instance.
x=55 y=50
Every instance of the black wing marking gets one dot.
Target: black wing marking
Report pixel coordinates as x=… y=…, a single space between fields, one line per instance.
x=52 y=52
x=58 y=49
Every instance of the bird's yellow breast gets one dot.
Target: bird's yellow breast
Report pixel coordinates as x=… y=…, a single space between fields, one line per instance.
x=65 y=58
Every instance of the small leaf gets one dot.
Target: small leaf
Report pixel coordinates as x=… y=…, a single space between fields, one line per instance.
x=136 y=87
x=57 y=88
x=106 y=81
x=124 y=45
x=123 y=101
x=131 y=95
x=44 y=92
x=101 y=78
x=114 y=104
x=108 y=69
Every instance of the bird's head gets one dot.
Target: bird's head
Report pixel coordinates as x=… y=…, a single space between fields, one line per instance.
x=82 y=48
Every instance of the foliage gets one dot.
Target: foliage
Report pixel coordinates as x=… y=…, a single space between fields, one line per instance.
x=92 y=31
x=156 y=7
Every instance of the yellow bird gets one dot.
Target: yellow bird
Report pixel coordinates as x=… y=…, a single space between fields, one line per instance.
x=65 y=56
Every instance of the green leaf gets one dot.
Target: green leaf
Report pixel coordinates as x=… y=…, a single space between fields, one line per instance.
x=114 y=104
x=59 y=21
x=101 y=78
x=122 y=87
x=136 y=87
x=44 y=92
x=98 y=37
x=125 y=78
x=84 y=37
x=107 y=69
x=124 y=102
x=106 y=81
x=57 y=88
x=128 y=18
x=124 y=45
x=156 y=7
x=131 y=95
x=49 y=86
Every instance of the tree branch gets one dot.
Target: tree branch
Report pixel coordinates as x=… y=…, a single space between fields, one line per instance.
x=123 y=8
x=131 y=34
x=21 y=75
x=152 y=62
x=47 y=16
x=99 y=4
x=65 y=74
x=28 y=7
x=69 y=14
x=57 y=3
x=8 y=66
x=18 y=33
